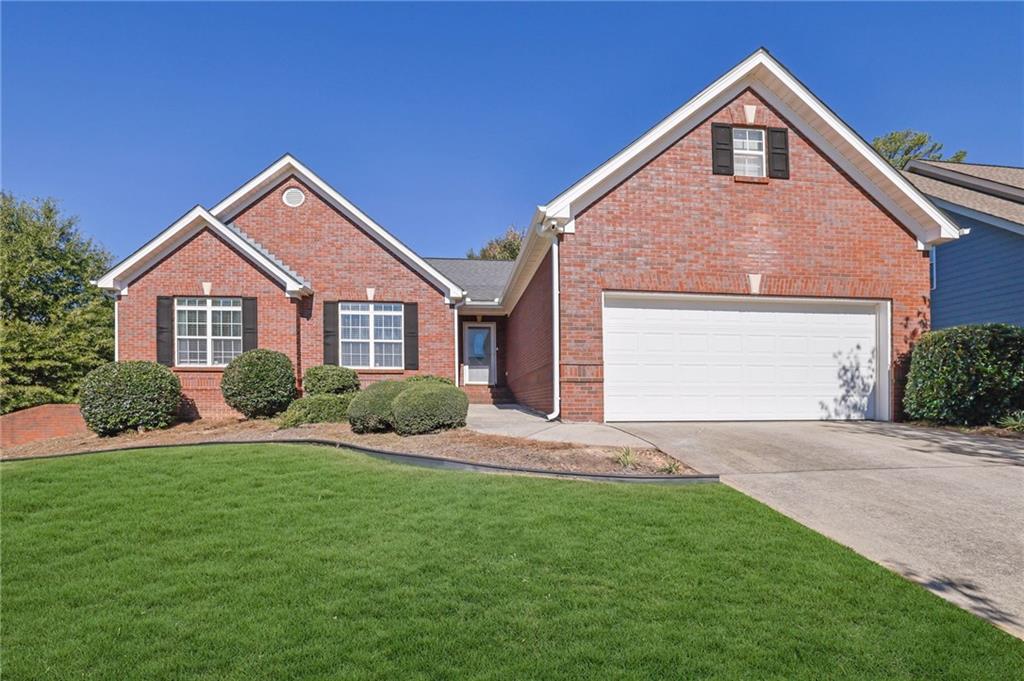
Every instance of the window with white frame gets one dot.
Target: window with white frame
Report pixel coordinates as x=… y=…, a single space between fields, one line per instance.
x=372 y=335
x=208 y=331
x=748 y=152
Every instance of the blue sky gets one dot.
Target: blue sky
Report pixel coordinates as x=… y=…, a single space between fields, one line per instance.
x=447 y=122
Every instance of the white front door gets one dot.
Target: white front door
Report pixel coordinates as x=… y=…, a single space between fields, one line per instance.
x=478 y=354
x=694 y=358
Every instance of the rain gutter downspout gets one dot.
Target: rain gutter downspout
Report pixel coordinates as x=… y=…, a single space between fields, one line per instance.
x=552 y=231
x=455 y=313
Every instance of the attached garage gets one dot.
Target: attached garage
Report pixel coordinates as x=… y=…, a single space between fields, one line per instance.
x=721 y=358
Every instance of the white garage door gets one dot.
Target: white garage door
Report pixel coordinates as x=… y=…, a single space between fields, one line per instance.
x=697 y=358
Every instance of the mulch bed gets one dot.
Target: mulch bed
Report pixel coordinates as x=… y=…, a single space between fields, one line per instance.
x=462 y=444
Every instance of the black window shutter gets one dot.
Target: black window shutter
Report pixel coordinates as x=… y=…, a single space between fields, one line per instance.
x=778 y=153
x=721 y=149
x=165 y=330
x=412 y=336
x=250 y=325
x=331 y=333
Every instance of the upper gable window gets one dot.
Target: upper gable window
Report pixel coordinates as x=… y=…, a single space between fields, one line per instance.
x=748 y=152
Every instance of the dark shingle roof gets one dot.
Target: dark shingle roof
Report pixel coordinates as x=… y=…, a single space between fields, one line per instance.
x=482 y=279
x=975 y=197
x=1010 y=175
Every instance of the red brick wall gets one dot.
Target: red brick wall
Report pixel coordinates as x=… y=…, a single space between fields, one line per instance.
x=40 y=423
x=327 y=249
x=674 y=226
x=341 y=262
x=528 y=354
x=204 y=258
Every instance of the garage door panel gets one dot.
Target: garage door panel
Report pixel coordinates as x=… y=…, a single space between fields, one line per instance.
x=741 y=359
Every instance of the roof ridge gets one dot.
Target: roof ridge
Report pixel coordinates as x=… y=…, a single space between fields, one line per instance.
x=968 y=163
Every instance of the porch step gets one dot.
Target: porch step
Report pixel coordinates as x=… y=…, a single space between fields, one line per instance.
x=488 y=394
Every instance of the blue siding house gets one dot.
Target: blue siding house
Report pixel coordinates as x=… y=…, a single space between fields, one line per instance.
x=979 y=277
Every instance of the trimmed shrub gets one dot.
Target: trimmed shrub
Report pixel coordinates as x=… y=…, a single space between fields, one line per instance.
x=123 y=396
x=429 y=378
x=259 y=383
x=323 y=408
x=967 y=375
x=370 y=411
x=330 y=379
x=427 y=407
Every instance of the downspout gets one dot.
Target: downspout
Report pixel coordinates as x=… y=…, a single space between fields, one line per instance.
x=117 y=341
x=455 y=313
x=556 y=361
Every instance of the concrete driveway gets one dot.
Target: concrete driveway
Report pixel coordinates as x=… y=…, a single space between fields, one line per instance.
x=943 y=509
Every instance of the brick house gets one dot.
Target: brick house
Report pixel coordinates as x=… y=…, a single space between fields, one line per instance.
x=749 y=257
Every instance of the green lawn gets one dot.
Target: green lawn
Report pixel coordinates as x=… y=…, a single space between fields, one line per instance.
x=287 y=562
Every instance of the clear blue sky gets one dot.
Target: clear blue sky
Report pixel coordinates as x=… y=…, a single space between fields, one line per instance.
x=447 y=122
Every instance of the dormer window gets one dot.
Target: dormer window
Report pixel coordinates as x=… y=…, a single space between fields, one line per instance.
x=748 y=152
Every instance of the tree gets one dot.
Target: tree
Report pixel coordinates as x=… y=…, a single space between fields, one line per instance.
x=900 y=147
x=56 y=325
x=504 y=247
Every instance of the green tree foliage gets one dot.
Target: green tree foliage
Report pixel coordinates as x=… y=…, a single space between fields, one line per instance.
x=504 y=247
x=900 y=147
x=56 y=326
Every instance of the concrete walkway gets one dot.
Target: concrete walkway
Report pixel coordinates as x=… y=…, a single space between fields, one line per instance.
x=513 y=420
x=943 y=509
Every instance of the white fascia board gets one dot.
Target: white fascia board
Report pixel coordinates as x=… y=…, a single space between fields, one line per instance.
x=136 y=264
x=245 y=195
x=751 y=73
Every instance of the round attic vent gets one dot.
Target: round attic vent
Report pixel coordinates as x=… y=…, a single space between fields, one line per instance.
x=293 y=197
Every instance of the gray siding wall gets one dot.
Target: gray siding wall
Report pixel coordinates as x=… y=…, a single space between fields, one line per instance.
x=980 y=277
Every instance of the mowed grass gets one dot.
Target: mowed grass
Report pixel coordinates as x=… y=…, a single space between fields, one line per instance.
x=294 y=562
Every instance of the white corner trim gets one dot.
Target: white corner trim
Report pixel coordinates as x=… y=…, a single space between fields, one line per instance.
x=129 y=269
x=287 y=165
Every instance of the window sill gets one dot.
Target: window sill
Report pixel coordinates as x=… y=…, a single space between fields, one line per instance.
x=379 y=371
x=198 y=369
x=747 y=179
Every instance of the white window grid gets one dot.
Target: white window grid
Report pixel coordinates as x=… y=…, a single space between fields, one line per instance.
x=207 y=331
x=748 y=158
x=372 y=335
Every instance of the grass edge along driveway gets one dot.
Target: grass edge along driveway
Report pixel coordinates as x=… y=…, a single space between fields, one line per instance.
x=287 y=562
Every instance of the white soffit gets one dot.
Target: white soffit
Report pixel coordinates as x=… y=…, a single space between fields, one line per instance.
x=129 y=269
x=288 y=165
x=769 y=79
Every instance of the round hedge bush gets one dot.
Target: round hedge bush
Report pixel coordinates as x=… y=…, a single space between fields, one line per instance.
x=427 y=407
x=123 y=396
x=429 y=378
x=323 y=408
x=259 y=383
x=370 y=411
x=330 y=379
x=967 y=375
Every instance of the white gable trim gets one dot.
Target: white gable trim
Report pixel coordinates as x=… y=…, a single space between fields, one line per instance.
x=139 y=262
x=762 y=73
x=288 y=165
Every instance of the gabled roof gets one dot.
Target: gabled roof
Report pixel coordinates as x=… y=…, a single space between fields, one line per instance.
x=970 y=189
x=483 y=280
x=197 y=219
x=779 y=88
x=287 y=166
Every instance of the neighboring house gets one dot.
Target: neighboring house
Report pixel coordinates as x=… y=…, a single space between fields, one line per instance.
x=749 y=257
x=979 y=277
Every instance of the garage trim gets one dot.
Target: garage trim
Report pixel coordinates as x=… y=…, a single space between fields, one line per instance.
x=883 y=329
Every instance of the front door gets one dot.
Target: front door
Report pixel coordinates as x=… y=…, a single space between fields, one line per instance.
x=478 y=354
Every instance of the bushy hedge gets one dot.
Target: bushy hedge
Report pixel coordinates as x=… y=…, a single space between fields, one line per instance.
x=429 y=406
x=429 y=378
x=370 y=411
x=967 y=375
x=323 y=408
x=330 y=379
x=259 y=383
x=123 y=396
